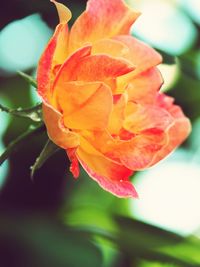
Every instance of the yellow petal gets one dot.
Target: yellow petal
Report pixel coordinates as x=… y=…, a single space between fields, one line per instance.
x=85 y=105
x=60 y=135
x=63 y=12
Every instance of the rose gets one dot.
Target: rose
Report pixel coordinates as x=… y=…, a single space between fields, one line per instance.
x=101 y=100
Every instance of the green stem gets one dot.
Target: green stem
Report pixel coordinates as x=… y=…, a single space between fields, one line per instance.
x=28 y=78
x=33 y=113
x=19 y=141
x=49 y=149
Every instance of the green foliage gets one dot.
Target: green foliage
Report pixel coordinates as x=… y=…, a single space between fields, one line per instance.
x=49 y=149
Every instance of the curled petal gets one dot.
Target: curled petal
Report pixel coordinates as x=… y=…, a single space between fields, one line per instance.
x=143 y=87
x=83 y=67
x=74 y=167
x=140 y=54
x=60 y=135
x=142 y=117
x=85 y=105
x=63 y=12
x=135 y=152
x=138 y=153
x=178 y=132
x=54 y=54
x=111 y=176
x=102 y=19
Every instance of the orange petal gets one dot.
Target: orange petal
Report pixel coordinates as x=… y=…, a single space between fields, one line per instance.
x=117 y=115
x=63 y=12
x=85 y=105
x=102 y=19
x=82 y=67
x=138 y=153
x=60 y=135
x=109 y=47
x=143 y=88
x=178 y=132
x=54 y=54
x=111 y=176
x=140 y=54
x=142 y=117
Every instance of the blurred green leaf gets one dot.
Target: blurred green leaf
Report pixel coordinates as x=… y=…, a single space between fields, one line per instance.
x=20 y=140
x=33 y=113
x=28 y=78
x=49 y=149
x=44 y=242
x=149 y=242
x=167 y=59
x=188 y=64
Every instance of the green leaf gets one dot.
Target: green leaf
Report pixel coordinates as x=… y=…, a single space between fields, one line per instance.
x=49 y=149
x=148 y=242
x=19 y=141
x=167 y=58
x=33 y=113
x=40 y=241
x=28 y=78
x=188 y=64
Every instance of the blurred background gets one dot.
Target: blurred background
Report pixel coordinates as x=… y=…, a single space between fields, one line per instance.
x=57 y=221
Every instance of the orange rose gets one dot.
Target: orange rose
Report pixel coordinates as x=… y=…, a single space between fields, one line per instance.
x=101 y=100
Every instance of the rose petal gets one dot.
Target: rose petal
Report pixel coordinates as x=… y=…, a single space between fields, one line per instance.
x=102 y=19
x=60 y=135
x=140 y=54
x=108 y=174
x=63 y=12
x=85 y=105
x=83 y=67
x=142 y=117
x=138 y=153
x=143 y=87
x=54 y=54
x=74 y=167
x=110 y=47
x=117 y=115
x=178 y=132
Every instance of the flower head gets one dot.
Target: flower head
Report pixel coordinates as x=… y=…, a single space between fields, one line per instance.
x=101 y=100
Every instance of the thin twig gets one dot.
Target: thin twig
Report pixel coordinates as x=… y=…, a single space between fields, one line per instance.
x=33 y=113
x=14 y=145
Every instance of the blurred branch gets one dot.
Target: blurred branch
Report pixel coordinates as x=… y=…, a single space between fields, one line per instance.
x=28 y=78
x=33 y=113
x=19 y=141
x=49 y=149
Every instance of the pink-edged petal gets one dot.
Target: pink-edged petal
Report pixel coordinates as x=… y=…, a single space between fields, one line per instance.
x=102 y=19
x=74 y=167
x=54 y=54
x=85 y=105
x=135 y=152
x=143 y=87
x=60 y=135
x=70 y=65
x=138 y=153
x=178 y=132
x=141 y=117
x=111 y=176
x=81 y=66
x=140 y=54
